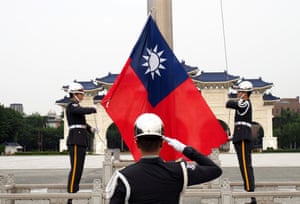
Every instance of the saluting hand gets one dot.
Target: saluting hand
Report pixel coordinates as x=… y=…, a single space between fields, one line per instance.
x=177 y=145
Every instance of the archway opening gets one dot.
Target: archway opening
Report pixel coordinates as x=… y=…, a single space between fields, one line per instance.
x=114 y=139
x=257 y=136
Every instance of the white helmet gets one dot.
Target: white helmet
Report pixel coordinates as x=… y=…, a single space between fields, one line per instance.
x=76 y=88
x=148 y=124
x=245 y=86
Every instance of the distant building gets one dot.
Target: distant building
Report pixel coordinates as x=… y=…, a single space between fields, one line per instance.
x=17 y=107
x=286 y=103
x=53 y=120
x=214 y=87
x=11 y=148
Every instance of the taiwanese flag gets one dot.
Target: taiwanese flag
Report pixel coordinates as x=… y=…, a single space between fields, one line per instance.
x=154 y=81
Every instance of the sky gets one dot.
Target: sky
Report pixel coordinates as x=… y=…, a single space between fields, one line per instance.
x=45 y=44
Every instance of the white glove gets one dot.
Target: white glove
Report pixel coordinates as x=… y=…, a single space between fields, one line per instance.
x=178 y=146
x=95 y=107
x=95 y=130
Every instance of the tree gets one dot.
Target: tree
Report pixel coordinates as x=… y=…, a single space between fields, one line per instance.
x=29 y=131
x=11 y=124
x=287 y=129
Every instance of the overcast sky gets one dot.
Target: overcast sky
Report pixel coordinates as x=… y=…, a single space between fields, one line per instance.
x=45 y=44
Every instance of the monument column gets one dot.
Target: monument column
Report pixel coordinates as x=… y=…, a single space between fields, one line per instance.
x=161 y=12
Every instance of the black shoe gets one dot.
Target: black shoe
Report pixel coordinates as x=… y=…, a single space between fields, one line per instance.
x=69 y=201
x=253 y=200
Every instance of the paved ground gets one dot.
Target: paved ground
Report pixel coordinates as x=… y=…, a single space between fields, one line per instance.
x=54 y=169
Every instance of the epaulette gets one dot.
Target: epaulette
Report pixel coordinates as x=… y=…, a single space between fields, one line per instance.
x=75 y=104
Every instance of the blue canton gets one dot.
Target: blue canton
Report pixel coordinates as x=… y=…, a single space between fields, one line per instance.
x=170 y=75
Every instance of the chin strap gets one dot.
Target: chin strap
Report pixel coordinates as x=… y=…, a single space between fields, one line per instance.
x=76 y=98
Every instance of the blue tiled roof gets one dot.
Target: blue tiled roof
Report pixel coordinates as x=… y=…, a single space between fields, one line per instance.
x=14 y=144
x=270 y=97
x=89 y=85
x=108 y=79
x=98 y=97
x=259 y=83
x=64 y=100
x=215 y=77
x=188 y=68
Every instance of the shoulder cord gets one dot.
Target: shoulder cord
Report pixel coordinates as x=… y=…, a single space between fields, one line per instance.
x=112 y=184
x=185 y=180
x=243 y=104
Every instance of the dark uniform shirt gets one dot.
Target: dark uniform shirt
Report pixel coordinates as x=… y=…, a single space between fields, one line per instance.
x=152 y=180
x=242 y=119
x=76 y=116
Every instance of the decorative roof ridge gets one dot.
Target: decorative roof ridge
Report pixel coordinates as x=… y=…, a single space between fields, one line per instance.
x=215 y=76
x=87 y=85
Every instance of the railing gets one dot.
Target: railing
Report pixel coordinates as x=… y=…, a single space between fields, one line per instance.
x=283 y=193
x=214 y=192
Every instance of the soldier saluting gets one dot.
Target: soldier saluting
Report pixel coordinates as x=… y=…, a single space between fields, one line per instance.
x=77 y=141
x=152 y=180
x=242 y=136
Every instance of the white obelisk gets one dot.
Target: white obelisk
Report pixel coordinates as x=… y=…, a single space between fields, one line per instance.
x=161 y=11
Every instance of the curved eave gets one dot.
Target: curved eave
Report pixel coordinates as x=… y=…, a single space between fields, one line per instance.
x=263 y=87
x=269 y=99
x=98 y=98
x=193 y=72
x=62 y=104
x=215 y=78
x=107 y=80
x=96 y=89
x=104 y=83
x=215 y=82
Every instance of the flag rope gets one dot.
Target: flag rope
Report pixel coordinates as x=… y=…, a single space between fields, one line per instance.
x=226 y=59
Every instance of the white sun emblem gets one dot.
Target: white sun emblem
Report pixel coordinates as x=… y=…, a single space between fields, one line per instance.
x=153 y=61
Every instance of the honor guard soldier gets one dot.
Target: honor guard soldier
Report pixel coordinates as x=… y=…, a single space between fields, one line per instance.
x=77 y=141
x=152 y=180
x=242 y=136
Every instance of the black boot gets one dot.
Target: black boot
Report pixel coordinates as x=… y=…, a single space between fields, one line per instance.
x=69 y=201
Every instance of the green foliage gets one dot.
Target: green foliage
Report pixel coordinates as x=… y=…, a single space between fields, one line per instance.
x=286 y=127
x=11 y=124
x=2 y=147
x=29 y=131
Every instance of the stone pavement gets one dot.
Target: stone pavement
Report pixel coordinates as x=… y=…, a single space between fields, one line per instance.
x=54 y=169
